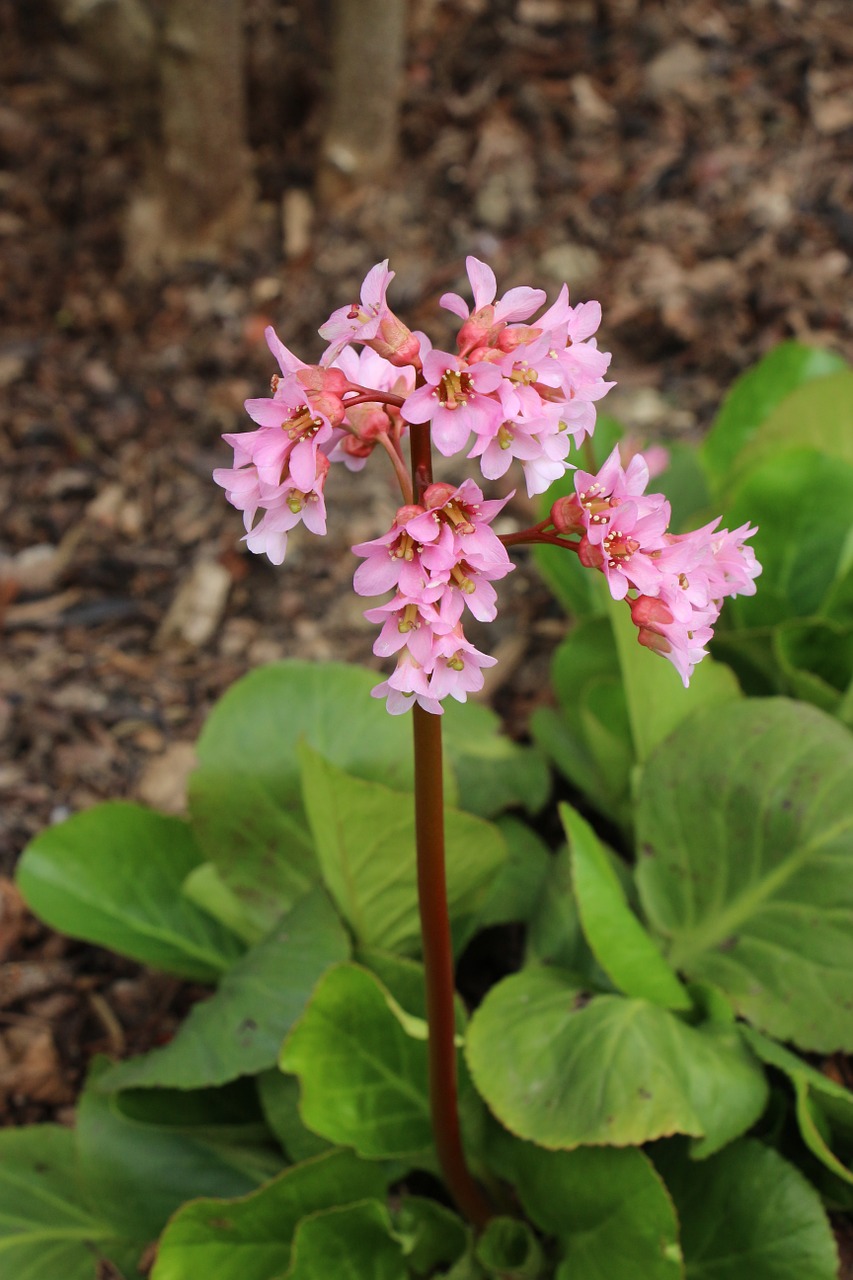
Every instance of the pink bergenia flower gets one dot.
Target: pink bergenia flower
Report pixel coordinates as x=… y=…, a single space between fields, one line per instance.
x=457 y=667
x=438 y=558
x=682 y=643
x=292 y=430
x=394 y=561
x=285 y=508
x=483 y=325
x=456 y=399
x=372 y=322
x=408 y=684
x=367 y=421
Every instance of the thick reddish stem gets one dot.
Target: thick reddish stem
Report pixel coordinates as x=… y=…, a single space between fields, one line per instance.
x=438 y=966
x=534 y=535
x=435 y=925
x=368 y=396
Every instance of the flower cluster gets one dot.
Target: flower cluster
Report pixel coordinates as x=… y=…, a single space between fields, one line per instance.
x=318 y=414
x=438 y=558
x=674 y=583
x=524 y=391
x=516 y=388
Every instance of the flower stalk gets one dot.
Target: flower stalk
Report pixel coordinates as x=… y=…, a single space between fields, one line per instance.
x=438 y=967
x=435 y=923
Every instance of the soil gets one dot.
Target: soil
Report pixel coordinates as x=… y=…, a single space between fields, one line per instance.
x=687 y=162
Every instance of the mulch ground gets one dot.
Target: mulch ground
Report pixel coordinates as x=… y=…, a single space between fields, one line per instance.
x=689 y=164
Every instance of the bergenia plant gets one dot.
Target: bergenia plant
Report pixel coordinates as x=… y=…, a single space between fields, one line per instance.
x=522 y=388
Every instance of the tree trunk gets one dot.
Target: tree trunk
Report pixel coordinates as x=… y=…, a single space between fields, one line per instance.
x=197 y=191
x=360 y=140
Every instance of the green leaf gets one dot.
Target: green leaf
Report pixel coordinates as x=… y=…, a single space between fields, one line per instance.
x=509 y=1249
x=141 y=1158
x=363 y=1078
x=250 y=1238
x=353 y=1242
x=817 y=415
x=205 y=887
x=113 y=875
x=555 y=936
x=365 y=840
x=239 y=1030
x=246 y=797
x=747 y=1214
x=279 y=1099
x=608 y=1209
x=816 y=656
x=493 y=772
x=745 y=829
x=48 y=1229
x=562 y=1072
x=623 y=948
x=800 y=541
x=431 y=1235
x=590 y=740
x=655 y=695
x=821 y=1103
x=515 y=889
x=755 y=395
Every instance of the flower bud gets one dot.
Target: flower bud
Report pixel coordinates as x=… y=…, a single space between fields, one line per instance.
x=566 y=515
x=590 y=556
x=396 y=343
x=649 y=611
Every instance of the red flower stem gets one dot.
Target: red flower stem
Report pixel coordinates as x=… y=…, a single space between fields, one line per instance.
x=438 y=966
x=535 y=535
x=399 y=466
x=435 y=926
x=367 y=396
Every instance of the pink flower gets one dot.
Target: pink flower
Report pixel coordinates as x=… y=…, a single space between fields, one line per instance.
x=394 y=561
x=457 y=667
x=681 y=642
x=367 y=421
x=285 y=508
x=455 y=399
x=483 y=325
x=438 y=558
x=372 y=322
x=408 y=684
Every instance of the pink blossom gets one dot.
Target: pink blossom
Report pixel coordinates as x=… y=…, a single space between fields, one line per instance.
x=458 y=667
x=285 y=508
x=393 y=561
x=456 y=400
x=483 y=325
x=367 y=421
x=371 y=322
x=681 y=642
x=408 y=684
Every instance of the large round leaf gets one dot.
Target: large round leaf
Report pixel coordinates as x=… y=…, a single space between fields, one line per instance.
x=562 y=1073
x=747 y=1214
x=364 y=837
x=48 y=1228
x=251 y=1238
x=756 y=394
x=245 y=796
x=608 y=1209
x=113 y=876
x=363 y=1078
x=802 y=502
x=239 y=1030
x=745 y=830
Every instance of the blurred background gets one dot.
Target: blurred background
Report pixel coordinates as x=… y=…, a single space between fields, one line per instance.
x=177 y=174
